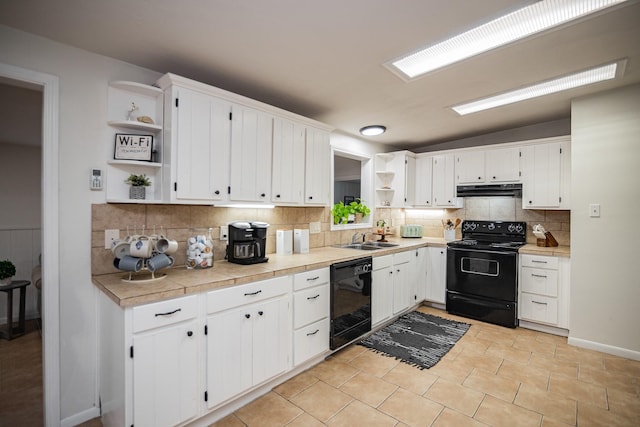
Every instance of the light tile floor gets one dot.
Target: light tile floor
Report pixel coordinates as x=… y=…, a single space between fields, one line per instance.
x=493 y=376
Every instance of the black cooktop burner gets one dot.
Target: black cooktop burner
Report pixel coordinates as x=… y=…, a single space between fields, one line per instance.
x=492 y=235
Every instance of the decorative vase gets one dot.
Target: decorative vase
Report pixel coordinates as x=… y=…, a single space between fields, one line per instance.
x=358 y=218
x=137 y=192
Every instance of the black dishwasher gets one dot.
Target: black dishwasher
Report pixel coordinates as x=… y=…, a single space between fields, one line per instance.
x=350 y=301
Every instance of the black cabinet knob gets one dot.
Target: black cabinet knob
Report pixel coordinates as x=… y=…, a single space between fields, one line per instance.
x=247 y=316
x=310 y=197
x=494 y=177
x=189 y=333
x=262 y=195
x=278 y=196
x=261 y=313
x=217 y=192
x=479 y=178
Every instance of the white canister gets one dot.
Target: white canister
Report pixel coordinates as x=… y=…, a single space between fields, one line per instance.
x=449 y=235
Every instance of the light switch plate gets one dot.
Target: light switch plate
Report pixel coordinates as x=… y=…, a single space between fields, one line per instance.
x=594 y=210
x=110 y=236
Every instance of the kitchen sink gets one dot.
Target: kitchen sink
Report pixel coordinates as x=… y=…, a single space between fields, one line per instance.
x=367 y=246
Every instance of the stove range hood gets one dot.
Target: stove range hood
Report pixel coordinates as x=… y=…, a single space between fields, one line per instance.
x=489 y=190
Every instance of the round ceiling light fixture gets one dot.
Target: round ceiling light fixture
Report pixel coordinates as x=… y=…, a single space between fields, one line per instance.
x=373 y=130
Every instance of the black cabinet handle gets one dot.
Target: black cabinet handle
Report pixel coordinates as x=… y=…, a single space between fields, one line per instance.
x=169 y=313
x=261 y=313
x=538 y=302
x=247 y=316
x=311 y=279
x=314 y=297
x=479 y=178
x=494 y=177
x=216 y=192
x=189 y=333
x=277 y=196
x=262 y=195
x=313 y=333
x=253 y=293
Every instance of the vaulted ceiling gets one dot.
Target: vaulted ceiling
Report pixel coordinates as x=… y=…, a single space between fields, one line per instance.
x=323 y=59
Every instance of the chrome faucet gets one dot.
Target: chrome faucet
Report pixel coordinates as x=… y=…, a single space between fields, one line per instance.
x=364 y=235
x=356 y=238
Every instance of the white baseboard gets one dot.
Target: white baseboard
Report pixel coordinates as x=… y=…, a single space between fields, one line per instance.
x=605 y=348
x=543 y=328
x=80 y=417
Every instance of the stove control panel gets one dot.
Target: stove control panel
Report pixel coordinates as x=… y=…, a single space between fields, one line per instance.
x=504 y=228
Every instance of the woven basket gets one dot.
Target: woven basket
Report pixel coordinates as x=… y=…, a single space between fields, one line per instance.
x=137 y=192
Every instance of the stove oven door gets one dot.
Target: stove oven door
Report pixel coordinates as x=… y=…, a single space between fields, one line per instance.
x=486 y=274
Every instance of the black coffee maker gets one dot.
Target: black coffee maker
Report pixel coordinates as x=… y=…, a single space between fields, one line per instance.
x=247 y=242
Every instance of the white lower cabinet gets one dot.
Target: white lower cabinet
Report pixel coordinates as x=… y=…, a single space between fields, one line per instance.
x=310 y=314
x=381 y=289
x=436 y=275
x=419 y=277
x=544 y=290
x=403 y=263
x=248 y=337
x=150 y=362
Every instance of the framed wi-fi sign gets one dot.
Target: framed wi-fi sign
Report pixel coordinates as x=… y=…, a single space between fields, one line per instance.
x=133 y=147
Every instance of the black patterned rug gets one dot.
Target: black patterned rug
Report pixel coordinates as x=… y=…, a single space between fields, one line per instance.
x=417 y=338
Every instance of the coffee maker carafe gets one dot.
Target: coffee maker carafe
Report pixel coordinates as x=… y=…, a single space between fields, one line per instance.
x=247 y=242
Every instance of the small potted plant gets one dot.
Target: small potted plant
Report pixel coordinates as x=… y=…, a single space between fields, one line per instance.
x=7 y=271
x=381 y=223
x=340 y=213
x=138 y=185
x=359 y=209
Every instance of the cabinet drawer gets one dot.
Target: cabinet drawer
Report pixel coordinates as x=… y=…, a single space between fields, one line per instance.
x=382 y=262
x=310 y=278
x=310 y=305
x=236 y=296
x=538 y=261
x=403 y=257
x=539 y=281
x=539 y=308
x=310 y=341
x=164 y=313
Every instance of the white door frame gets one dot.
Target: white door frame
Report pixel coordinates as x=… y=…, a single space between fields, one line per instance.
x=50 y=236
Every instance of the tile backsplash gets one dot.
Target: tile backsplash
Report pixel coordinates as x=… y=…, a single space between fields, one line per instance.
x=175 y=221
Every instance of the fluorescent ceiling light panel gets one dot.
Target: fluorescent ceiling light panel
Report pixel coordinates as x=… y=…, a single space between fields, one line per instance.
x=582 y=78
x=514 y=26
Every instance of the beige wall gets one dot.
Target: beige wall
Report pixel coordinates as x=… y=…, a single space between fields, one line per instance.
x=605 y=160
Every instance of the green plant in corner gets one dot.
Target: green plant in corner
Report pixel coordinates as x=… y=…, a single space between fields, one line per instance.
x=7 y=269
x=138 y=180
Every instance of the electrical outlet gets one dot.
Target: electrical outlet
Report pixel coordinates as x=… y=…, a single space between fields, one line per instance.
x=224 y=232
x=314 y=227
x=110 y=236
x=594 y=210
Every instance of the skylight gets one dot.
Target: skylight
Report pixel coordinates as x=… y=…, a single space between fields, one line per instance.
x=514 y=26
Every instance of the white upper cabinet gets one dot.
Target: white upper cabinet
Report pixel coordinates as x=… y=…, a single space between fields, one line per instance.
x=546 y=174
x=198 y=130
x=287 y=175
x=500 y=165
x=251 y=141
x=470 y=167
x=444 y=187
x=423 y=182
x=317 y=167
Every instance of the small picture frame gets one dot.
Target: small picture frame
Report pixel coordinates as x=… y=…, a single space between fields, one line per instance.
x=133 y=147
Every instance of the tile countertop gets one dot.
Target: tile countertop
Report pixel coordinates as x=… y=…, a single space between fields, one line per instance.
x=179 y=281
x=533 y=249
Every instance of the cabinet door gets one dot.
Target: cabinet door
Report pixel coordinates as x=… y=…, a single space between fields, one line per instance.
x=470 y=167
x=251 y=141
x=436 y=275
x=444 y=188
x=381 y=295
x=165 y=375
x=229 y=354
x=419 y=277
x=409 y=181
x=541 y=175
x=287 y=178
x=272 y=336
x=423 y=182
x=402 y=274
x=502 y=165
x=317 y=168
x=202 y=146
